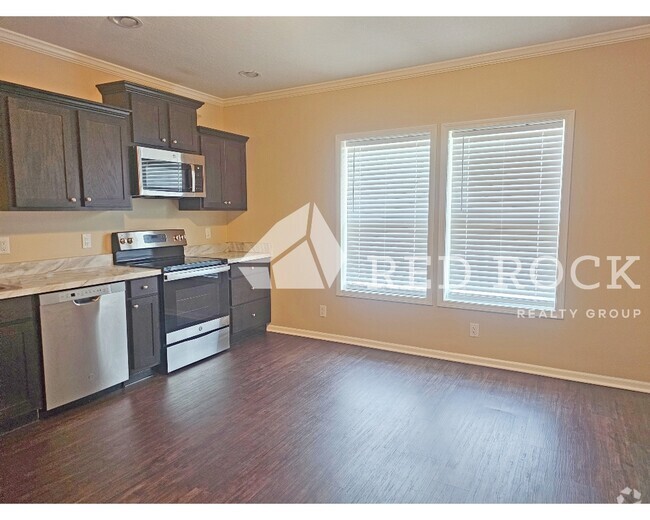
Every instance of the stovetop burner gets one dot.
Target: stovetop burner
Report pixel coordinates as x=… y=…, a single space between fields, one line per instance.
x=169 y=265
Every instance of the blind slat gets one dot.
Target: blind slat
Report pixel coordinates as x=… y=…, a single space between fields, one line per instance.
x=504 y=190
x=386 y=206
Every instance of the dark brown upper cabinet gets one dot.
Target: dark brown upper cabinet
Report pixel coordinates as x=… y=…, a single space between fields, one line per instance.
x=159 y=118
x=225 y=172
x=59 y=152
x=104 y=147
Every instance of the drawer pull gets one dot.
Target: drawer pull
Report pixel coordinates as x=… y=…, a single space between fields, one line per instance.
x=145 y=287
x=253 y=315
x=136 y=306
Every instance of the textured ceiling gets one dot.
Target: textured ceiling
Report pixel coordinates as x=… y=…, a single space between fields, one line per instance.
x=206 y=53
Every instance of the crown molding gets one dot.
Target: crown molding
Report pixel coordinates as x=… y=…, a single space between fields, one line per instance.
x=532 y=51
x=543 y=49
x=49 y=49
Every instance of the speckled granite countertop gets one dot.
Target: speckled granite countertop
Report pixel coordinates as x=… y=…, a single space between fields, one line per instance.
x=233 y=256
x=25 y=278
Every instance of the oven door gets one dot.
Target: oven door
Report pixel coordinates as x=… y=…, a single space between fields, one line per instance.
x=196 y=302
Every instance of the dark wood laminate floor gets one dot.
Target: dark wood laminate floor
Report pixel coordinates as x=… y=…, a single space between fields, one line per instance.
x=286 y=419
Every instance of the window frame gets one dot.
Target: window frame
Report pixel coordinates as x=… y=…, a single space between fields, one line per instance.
x=565 y=199
x=432 y=213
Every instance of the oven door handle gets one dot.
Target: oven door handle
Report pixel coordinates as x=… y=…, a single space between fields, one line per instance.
x=195 y=273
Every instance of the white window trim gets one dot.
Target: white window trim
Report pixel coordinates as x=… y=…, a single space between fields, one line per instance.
x=341 y=214
x=569 y=117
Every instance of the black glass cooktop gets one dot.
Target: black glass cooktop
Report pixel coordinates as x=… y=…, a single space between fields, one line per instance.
x=179 y=263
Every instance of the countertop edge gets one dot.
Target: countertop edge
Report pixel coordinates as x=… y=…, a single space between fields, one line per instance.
x=248 y=257
x=82 y=281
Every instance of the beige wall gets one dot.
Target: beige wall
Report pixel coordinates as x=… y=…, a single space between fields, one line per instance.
x=43 y=235
x=291 y=159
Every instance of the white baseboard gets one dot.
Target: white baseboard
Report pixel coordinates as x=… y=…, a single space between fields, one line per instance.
x=558 y=373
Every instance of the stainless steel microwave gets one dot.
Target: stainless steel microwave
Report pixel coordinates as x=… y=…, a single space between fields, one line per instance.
x=164 y=173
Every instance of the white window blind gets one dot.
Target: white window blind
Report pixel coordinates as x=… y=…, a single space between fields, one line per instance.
x=504 y=186
x=385 y=215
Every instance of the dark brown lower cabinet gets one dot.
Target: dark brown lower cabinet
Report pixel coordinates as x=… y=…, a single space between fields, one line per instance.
x=250 y=305
x=21 y=375
x=145 y=334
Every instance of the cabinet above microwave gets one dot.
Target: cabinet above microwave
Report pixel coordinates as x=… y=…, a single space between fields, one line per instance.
x=158 y=118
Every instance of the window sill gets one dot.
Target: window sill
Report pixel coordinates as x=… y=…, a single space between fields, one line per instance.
x=499 y=309
x=386 y=297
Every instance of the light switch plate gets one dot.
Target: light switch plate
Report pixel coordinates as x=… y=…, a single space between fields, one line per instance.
x=208 y=232
x=5 y=246
x=86 y=241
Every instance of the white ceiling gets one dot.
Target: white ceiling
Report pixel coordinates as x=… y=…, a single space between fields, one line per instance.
x=206 y=53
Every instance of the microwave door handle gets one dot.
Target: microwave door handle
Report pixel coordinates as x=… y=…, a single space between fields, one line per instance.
x=193 y=171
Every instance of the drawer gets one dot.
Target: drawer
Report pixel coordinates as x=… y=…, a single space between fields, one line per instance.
x=235 y=269
x=16 y=309
x=143 y=287
x=250 y=315
x=241 y=290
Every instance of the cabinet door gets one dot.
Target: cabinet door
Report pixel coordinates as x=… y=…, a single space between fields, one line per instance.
x=20 y=370
x=182 y=128
x=233 y=181
x=44 y=155
x=150 y=120
x=104 y=144
x=144 y=333
x=212 y=148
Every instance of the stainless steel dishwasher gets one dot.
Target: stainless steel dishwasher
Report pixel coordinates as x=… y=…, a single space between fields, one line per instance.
x=84 y=342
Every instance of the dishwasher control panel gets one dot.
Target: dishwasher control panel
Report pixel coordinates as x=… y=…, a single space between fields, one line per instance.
x=82 y=293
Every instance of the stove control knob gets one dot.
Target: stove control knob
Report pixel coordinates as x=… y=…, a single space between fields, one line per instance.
x=122 y=240
x=129 y=240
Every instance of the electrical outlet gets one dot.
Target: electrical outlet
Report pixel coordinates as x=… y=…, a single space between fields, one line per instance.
x=86 y=241
x=323 y=311
x=5 y=246
x=208 y=232
x=473 y=330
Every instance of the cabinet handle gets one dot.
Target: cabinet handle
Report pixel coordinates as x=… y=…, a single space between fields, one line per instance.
x=73 y=199
x=253 y=315
x=175 y=141
x=136 y=306
x=164 y=139
x=89 y=199
x=145 y=287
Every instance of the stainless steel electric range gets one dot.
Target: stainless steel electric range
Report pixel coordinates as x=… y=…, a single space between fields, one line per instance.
x=195 y=295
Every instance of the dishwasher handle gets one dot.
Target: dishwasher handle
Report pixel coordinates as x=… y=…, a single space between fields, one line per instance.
x=86 y=301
